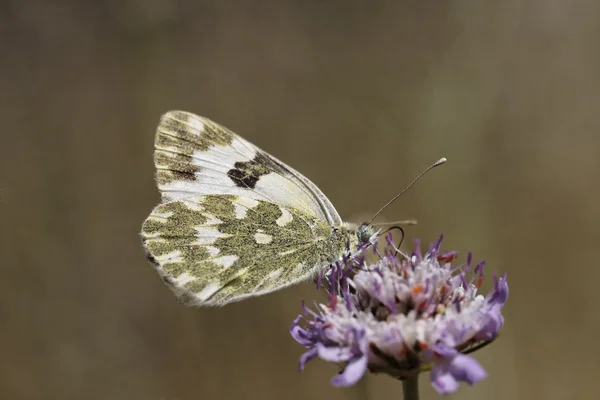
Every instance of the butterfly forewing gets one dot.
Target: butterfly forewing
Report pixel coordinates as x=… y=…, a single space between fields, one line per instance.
x=194 y=155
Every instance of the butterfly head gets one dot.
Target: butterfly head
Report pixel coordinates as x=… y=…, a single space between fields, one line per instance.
x=366 y=234
x=357 y=237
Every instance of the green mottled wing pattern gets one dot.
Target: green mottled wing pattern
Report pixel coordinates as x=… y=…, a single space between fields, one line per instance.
x=215 y=249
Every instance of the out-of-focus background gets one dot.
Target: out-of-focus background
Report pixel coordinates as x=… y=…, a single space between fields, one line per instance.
x=358 y=96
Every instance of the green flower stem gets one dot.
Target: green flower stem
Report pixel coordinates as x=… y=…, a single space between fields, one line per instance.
x=410 y=387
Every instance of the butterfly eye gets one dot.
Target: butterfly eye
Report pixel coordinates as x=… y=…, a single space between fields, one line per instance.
x=364 y=233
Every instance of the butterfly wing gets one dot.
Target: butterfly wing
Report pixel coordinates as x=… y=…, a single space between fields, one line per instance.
x=194 y=155
x=215 y=249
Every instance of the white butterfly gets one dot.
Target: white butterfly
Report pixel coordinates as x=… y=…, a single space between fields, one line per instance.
x=234 y=221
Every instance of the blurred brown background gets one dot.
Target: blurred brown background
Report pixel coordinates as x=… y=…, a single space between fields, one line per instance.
x=359 y=97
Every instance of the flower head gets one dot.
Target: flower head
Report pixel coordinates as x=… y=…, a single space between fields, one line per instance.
x=402 y=316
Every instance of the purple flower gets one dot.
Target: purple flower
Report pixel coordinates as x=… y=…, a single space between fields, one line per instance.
x=404 y=315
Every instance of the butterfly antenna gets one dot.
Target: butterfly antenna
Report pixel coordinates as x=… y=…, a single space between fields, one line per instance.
x=435 y=164
x=402 y=222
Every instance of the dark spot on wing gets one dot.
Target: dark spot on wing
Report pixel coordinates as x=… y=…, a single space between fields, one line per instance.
x=247 y=173
x=241 y=177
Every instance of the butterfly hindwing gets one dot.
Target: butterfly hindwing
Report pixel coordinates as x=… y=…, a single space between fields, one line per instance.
x=218 y=248
x=194 y=155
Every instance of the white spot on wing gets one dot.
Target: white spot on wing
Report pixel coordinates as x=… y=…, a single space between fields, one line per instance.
x=151 y=235
x=184 y=278
x=262 y=238
x=208 y=291
x=194 y=204
x=160 y=216
x=197 y=125
x=248 y=202
x=226 y=261
x=213 y=251
x=285 y=218
x=212 y=220
x=240 y=211
x=275 y=274
x=207 y=234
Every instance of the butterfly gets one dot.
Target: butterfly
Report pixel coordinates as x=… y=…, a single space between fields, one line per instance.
x=234 y=221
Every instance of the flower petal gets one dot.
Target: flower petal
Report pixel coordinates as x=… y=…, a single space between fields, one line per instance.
x=442 y=380
x=446 y=373
x=300 y=334
x=500 y=293
x=307 y=356
x=334 y=354
x=467 y=369
x=352 y=373
x=492 y=326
